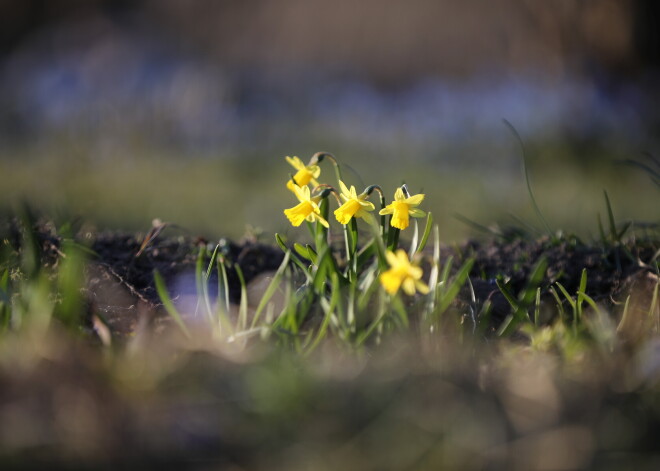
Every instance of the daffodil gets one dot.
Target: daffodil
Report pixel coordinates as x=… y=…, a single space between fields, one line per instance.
x=402 y=208
x=304 y=175
x=308 y=208
x=402 y=274
x=354 y=206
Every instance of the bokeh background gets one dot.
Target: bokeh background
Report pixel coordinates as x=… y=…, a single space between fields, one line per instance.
x=122 y=111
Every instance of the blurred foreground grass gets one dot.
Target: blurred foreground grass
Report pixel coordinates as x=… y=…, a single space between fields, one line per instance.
x=221 y=194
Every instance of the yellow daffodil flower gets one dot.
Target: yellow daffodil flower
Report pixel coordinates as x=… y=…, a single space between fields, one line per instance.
x=401 y=208
x=402 y=274
x=308 y=208
x=354 y=206
x=305 y=174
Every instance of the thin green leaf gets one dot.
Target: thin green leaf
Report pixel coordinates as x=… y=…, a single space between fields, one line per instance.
x=241 y=322
x=455 y=286
x=527 y=181
x=568 y=297
x=427 y=231
x=329 y=310
x=272 y=287
x=415 y=238
x=302 y=251
x=610 y=217
x=508 y=295
x=168 y=304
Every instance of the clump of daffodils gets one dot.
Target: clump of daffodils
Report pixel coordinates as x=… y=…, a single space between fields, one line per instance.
x=311 y=207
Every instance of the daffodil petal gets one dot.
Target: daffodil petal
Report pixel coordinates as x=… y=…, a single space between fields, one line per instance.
x=415 y=199
x=322 y=221
x=392 y=259
x=399 y=195
x=389 y=209
x=300 y=192
x=402 y=257
x=422 y=287
x=295 y=162
x=298 y=213
x=367 y=205
x=390 y=281
x=415 y=272
x=344 y=189
x=408 y=286
x=417 y=213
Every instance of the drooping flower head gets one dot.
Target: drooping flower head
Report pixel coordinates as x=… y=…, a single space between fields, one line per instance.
x=402 y=208
x=308 y=208
x=355 y=206
x=304 y=175
x=402 y=274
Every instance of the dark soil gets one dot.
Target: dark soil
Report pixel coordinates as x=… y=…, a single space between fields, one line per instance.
x=120 y=286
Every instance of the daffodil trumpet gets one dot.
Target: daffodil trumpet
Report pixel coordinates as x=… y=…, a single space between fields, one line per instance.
x=305 y=174
x=306 y=210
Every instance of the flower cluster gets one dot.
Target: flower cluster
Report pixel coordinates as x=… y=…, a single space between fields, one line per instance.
x=352 y=206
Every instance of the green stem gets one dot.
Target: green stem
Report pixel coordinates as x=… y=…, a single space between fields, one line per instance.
x=318 y=158
x=393 y=237
x=321 y=238
x=370 y=190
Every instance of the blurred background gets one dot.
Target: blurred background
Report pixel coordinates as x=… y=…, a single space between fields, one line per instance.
x=123 y=111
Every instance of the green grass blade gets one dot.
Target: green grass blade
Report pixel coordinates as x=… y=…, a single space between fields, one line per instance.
x=329 y=310
x=537 y=307
x=508 y=295
x=624 y=316
x=527 y=181
x=297 y=261
x=413 y=243
x=303 y=252
x=241 y=322
x=454 y=287
x=427 y=232
x=168 y=304
x=581 y=296
x=280 y=243
x=211 y=264
x=610 y=217
x=224 y=287
x=272 y=287
x=444 y=277
x=433 y=276
x=368 y=288
x=223 y=296
x=560 y=304
x=353 y=231
x=568 y=297
x=601 y=230
x=366 y=253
